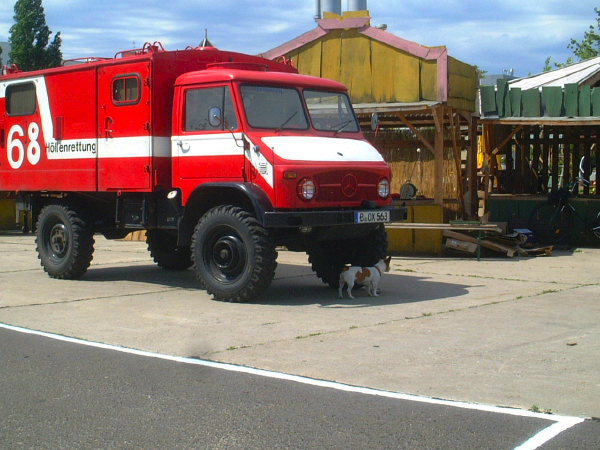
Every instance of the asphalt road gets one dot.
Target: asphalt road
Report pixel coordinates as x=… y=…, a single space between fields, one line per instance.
x=511 y=332
x=64 y=395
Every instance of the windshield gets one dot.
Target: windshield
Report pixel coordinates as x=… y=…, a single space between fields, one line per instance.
x=278 y=108
x=330 y=111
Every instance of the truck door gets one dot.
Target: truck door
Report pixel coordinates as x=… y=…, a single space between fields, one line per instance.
x=208 y=145
x=124 y=127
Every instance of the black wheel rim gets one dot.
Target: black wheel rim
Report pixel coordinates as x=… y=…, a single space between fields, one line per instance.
x=225 y=255
x=57 y=241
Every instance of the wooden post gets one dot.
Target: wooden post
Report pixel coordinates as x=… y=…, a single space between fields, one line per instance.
x=455 y=130
x=472 y=184
x=438 y=118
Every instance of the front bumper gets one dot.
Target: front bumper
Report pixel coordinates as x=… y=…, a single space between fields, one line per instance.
x=281 y=219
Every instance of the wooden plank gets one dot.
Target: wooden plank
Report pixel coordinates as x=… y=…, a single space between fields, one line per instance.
x=518 y=173
x=488 y=100
x=585 y=101
x=515 y=102
x=429 y=81
x=587 y=150
x=331 y=55
x=571 y=99
x=544 y=173
x=508 y=138
x=355 y=72
x=455 y=130
x=396 y=76
x=510 y=251
x=552 y=98
x=507 y=105
x=501 y=93
x=531 y=103
x=535 y=161
x=596 y=102
x=308 y=59
x=554 y=156
x=425 y=142
x=446 y=226
x=567 y=163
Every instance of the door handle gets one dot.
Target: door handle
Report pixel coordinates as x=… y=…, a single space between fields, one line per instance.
x=107 y=122
x=185 y=146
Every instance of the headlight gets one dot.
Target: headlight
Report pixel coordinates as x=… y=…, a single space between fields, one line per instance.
x=383 y=188
x=306 y=189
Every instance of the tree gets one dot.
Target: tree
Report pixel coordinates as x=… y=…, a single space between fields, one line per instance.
x=588 y=48
x=29 y=38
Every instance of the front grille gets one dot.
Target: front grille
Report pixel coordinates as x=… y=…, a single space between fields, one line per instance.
x=343 y=186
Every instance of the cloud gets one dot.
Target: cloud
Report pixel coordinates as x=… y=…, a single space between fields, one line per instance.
x=492 y=35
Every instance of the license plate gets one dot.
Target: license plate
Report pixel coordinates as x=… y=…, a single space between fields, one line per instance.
x=372 y=217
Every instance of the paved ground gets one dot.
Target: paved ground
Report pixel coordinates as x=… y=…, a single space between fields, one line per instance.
x=509 y=332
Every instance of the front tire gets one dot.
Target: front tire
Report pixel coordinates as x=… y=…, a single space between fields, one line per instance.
x=233 y=254
x=328 y=258
x=64 y=241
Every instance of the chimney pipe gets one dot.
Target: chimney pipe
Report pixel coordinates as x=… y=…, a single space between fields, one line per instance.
x=332 y=6
x=357 y=5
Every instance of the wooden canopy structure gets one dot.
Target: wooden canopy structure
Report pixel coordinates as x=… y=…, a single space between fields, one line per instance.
x=536 y=130
x=424 y=99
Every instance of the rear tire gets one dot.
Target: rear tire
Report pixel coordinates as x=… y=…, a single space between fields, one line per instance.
x=165 y=252
x=551 y=225
x=234 y=256
x=64 y=241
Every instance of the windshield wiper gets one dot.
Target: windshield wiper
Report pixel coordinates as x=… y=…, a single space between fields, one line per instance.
x=341 y=126
x=286 y=122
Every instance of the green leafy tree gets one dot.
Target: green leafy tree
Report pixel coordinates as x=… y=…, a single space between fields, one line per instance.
x=31 y=48
x=589 y=47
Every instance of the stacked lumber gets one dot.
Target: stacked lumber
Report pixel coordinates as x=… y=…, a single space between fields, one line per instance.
x=511 y=244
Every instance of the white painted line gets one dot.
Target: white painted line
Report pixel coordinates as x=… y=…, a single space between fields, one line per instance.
x=549 y=433
x=562 y=422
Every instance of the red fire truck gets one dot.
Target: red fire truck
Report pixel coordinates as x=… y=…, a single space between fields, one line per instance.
x=220 y=157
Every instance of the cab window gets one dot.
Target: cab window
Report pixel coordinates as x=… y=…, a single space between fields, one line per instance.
x=209 y=109
x=273 y=107
x=330 y=111
x=126 y=90
x=20 y=99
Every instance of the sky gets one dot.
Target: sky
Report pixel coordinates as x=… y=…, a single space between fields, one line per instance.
x=495 y=35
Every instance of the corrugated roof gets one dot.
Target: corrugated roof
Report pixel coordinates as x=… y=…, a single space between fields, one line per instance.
x=580 y=73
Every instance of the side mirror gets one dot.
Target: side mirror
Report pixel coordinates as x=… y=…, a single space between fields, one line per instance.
x=214 y=117
x=374 y=121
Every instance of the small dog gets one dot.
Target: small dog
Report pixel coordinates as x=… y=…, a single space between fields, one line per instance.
x=364 y=276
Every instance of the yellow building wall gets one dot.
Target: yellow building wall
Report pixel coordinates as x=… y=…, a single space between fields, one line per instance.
x=408 y=240
x=372 y=71
x=375 y=72
x=429 y=78
x=7 y=215
x=462 y=85
x=395 y=75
